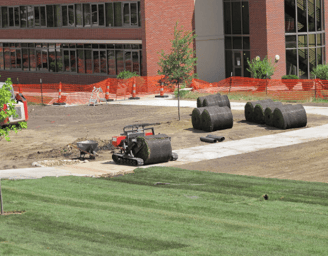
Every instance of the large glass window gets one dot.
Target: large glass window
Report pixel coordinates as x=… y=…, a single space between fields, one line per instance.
x=80 y=58
x=74 y=15
x=237 y=43
x=117 y=14
x=304 y=44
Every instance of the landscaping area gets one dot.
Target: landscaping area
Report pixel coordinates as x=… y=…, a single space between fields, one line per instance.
x=195 y=213
x=213 y=207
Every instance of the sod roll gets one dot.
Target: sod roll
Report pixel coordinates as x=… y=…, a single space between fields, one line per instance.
x=196 y=119
x=216 y=100
x=259 y=116
x=289 y=116
x=200 y=101
x=217 y=118
x=268 y=115
x=249 y=109
x=154 y=148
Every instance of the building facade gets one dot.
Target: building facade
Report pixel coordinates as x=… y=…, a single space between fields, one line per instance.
x=87 y=41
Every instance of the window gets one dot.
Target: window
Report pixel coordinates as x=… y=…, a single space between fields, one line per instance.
x=36 y=16
x=63 y=57
x=111 y=62
x=30 y=16
x=33 y=60
x=303 y=34
x=68 y=16
x=236 y=40
x=80 y=62
x=57 y=16
x=23 y=16
x=4 y=17
x=98 y=15
x=130 y=17
x=118 y=14
x=87 y=15
x=1 y=58
x=50 y=16
x=109 y=15
x=79 y=15
x=7 y=58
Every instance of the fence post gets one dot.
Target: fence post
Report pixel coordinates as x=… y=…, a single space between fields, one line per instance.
x=230 y=82
x=266 y=85
x=41 y=91
x=315 y=87
x=1 y=199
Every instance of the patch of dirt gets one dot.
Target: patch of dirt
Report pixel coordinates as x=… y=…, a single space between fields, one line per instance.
x=52 y=128
x=13 y=212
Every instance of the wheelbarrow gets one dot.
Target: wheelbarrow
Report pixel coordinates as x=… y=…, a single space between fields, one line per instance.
x=87 y=147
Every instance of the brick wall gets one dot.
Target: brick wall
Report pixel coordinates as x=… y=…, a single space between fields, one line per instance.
x=158 y=21
x=275 y=13
x=267 y=32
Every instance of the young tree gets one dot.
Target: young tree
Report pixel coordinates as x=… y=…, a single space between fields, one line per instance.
x=6 y=98
x=178 y=66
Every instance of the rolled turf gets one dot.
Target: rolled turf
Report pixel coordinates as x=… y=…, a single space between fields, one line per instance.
x=259 y=116
x=217 y=118
x=289 y=116
x=196 y=119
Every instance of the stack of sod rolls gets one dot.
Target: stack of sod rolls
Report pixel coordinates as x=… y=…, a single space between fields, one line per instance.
x=212 y=113
x=276 y=114
x=213 y=100
x=249 y=108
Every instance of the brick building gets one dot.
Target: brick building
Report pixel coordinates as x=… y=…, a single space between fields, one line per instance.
x=85 y=41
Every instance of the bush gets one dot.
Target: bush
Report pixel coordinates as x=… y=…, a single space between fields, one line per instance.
x=6 y=98
x=321 y=72
x=261 y=68
x=126 y=74
x=290 y=77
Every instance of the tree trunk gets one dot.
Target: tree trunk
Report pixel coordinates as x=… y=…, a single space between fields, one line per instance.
x=179 y=100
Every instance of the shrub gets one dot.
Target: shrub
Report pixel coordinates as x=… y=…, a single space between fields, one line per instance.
x=290 y=77
x=6 y=98
x=261 y=68
x=126 y=74
x=321 y=72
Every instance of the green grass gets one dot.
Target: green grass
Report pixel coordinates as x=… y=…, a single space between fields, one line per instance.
x=129 y=215
x=248 y=96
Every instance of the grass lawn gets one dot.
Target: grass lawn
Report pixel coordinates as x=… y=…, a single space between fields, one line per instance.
x=198 y=213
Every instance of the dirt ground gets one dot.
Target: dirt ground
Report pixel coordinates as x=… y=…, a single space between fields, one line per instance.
x=52 y=128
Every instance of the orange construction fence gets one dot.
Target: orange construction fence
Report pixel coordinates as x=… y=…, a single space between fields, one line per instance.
x=114 y=88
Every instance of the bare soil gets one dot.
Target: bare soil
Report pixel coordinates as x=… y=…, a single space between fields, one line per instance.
x=52 y=128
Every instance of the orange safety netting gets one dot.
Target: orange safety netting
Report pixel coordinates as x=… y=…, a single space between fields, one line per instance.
x=283 y=89
x=81 y=94
x=287 y=89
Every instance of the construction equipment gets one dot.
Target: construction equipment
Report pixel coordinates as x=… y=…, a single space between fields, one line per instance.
x=20 y=107
x=86 y=147
x=139 y=145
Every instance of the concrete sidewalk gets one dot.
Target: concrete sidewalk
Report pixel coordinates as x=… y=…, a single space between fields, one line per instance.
x=194 y=154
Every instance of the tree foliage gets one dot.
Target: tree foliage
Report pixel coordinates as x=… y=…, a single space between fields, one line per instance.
x=178 y=65
x=6 y=98
x=321 y=72
x=126 y=74
x=262 y=69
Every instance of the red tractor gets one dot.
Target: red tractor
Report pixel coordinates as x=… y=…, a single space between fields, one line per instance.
x=20 y=107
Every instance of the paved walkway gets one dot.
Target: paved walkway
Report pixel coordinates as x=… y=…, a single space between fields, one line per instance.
x=194 y=154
